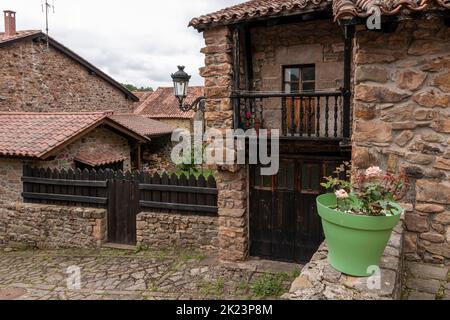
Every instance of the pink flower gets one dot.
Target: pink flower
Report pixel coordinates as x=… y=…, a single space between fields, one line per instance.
x=341 y=194
x=373 y=172
x=248 y=115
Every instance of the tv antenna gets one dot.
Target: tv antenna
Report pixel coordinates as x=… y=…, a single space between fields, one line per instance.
x=47 y=7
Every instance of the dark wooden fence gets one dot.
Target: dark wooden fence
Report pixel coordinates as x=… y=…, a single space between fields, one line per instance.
x=90 y=188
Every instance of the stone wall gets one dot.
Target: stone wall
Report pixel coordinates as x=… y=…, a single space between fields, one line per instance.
x=231 y=180
x=10 y=182
x=164 y=230
x=318 y=280
x=35 y=79
x=402 y=122
x=46 y=226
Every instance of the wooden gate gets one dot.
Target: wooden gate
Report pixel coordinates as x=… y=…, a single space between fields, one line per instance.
x=123 y=206
x=284 y=224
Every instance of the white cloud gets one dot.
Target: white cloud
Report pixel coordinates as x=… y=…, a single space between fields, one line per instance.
x=134 y=41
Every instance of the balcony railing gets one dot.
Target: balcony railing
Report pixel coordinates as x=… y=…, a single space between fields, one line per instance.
x=302 y=115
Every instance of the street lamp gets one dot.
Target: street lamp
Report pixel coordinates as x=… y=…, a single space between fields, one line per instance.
x=181 y=84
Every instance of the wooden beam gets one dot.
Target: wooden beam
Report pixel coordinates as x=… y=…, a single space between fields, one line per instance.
x=236 y=74
x=198 y=190
x=63 y=197
x=248 y=55
x=349 y=32
x=177 y=206
x=57 y=182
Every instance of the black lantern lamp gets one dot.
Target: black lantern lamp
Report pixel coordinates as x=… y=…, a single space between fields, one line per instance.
x=181 y=84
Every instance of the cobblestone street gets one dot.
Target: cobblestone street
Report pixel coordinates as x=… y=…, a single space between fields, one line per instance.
x=117 y=274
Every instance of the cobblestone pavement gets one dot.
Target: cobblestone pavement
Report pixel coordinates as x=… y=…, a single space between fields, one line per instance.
x=427 y=282
x=116 y=274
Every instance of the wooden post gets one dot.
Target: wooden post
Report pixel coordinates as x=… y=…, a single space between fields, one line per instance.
x=236 y=75
x=349 y=32
x=138 y=155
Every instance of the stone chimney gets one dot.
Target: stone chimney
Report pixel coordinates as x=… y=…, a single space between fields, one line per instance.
x=10 y=23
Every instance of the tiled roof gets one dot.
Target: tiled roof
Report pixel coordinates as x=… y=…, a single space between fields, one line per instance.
x=162 y=104
x=363 y=8
x=99 y=158
x=19 y=35
x=144 y=126
x=36 y=135
x=142 y=95
x=255 y=9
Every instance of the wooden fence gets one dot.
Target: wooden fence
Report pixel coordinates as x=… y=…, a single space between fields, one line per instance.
x=90 y=188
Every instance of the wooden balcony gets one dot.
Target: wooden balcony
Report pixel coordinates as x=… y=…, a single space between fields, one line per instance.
x=303 y=115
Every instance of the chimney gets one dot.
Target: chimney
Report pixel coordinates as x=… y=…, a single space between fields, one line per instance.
x=10 y=23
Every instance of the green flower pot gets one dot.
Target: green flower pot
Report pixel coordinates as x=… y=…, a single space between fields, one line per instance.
x=355 y=243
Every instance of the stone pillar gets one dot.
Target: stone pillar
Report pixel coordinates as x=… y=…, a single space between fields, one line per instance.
x=231 y=180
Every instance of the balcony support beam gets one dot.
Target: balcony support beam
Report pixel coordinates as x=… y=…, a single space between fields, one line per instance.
x=349 y=33
x=236 y=75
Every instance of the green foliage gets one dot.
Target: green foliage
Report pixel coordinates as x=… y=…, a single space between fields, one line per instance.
x=269 y=285
x=372 y=193
x=134 y=88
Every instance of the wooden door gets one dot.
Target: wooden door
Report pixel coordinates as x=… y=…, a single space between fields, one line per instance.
x=123 y=206
x=284 y=224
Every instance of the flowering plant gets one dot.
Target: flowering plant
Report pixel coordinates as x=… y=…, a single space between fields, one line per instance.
x=371 y=192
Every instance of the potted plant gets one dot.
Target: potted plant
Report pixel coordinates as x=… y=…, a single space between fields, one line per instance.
x=359 y=216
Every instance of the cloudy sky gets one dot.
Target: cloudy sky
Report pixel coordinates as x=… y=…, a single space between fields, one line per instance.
x=135 y=41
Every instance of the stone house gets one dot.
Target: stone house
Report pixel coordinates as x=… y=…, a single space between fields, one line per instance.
x=62 y=141
x=42 y=75
x=336 y=90
x=162 y=105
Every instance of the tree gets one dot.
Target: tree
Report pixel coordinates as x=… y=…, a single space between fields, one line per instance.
x=134 y=88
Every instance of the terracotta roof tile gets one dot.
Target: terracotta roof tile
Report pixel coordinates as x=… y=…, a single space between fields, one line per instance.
x=258 y=9
x=162 y=104
x=36 y=134
x=144 y=126
x=142 y=95
x=99 y=158
x=343 y=9
x=19 y=35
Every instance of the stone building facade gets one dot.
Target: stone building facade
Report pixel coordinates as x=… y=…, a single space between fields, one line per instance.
x=99 y=140
x=400 y=112
x=402 y=122
x=40 y=79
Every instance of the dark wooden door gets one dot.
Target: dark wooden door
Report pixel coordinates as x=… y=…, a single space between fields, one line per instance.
x=123 y=206
x=284 y=224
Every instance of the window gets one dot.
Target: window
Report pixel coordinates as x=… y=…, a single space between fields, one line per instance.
x=299 y=79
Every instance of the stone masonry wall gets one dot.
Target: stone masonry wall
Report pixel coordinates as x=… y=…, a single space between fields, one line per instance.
x=164 y=230
x=35 y=79
x=46 y=226
x=10 y=181
x=402 y=122
x=231 y=181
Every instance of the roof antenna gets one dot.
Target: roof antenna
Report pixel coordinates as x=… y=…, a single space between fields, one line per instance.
x=47 y=7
